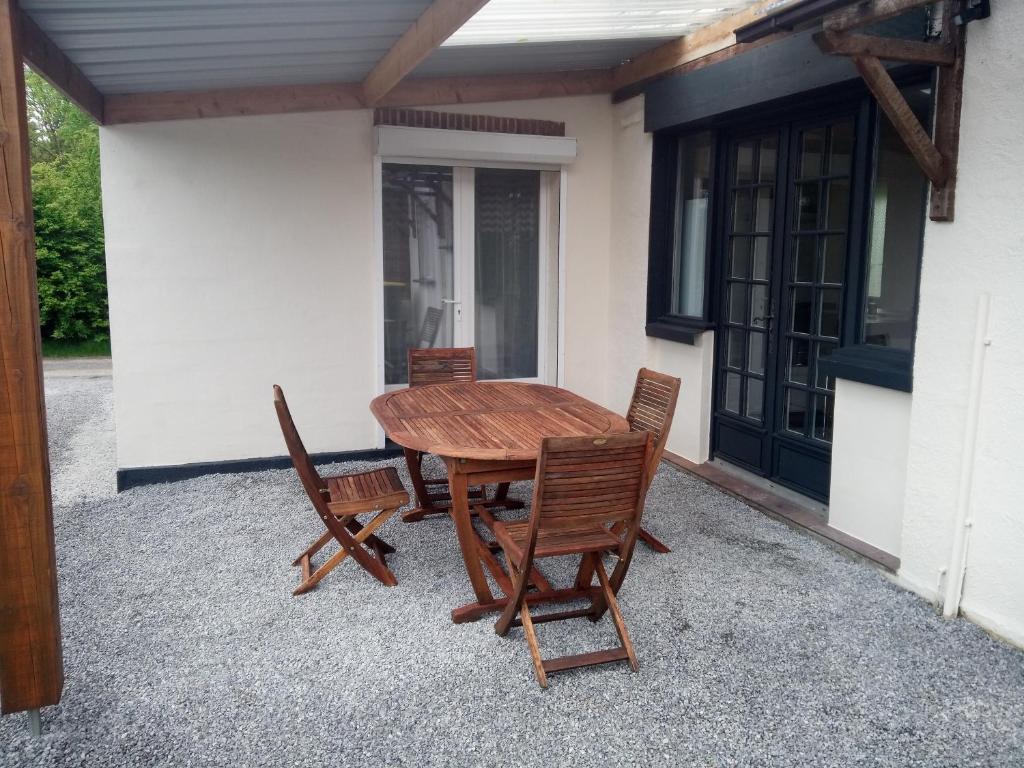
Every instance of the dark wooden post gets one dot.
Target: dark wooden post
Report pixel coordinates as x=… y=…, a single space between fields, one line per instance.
x=31 y=665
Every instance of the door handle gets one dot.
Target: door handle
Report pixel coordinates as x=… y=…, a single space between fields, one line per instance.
x=456 y=307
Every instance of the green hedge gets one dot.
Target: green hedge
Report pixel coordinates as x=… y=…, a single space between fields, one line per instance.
x=68 y=212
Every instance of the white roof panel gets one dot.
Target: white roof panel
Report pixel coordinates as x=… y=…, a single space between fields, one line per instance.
x=535 y=21
x=125 y=46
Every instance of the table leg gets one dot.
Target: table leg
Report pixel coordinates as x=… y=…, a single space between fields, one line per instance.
x=468 y=539
x=424 y=505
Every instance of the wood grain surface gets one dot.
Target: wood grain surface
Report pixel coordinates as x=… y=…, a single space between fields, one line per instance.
x=491 y=421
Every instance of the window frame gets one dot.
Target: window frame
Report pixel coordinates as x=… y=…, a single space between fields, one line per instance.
x=853 y=360
x=661 y=321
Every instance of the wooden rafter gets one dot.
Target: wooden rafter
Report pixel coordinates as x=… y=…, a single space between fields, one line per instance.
x=888 y=48
x=43 y=55
x=663 y=60
x=31 y=666
x=439 y=22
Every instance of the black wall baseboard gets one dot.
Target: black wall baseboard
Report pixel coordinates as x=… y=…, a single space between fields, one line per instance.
x=132 y=477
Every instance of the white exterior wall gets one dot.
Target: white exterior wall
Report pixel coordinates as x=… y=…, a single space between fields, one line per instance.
x=629 y=346
x=982 y=251
x=241 y=253
x=869 y=463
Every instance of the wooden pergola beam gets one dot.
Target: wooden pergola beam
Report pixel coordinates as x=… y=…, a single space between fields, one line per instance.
x=887 y=48
x=669 y=56
x=31 y=664
x=421 y=92
x=869 y=12
x=231 y=102
x=435 y=91
x=439 y=22
x=43 y=55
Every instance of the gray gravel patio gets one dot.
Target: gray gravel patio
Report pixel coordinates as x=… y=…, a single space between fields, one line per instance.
x=758 y=645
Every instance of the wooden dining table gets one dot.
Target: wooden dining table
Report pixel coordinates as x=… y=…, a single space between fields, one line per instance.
x=486 y=433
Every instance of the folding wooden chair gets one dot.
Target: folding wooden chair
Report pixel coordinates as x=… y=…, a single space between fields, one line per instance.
x=338 y=500
x=587 y=500
x=437 y=366
x=651 y=410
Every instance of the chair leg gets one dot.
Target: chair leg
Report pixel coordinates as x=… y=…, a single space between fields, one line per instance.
x=653 y=541
x=355 y=526
x=502 y=491
x=357 y=547
x=313 y=548
x=585 y=575
x=613 y=608
x=520 y=582
x=310 y=580
x=531 y=640
x=370 y=563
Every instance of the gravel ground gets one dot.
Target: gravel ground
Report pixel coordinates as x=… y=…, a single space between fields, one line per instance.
x=758 y=645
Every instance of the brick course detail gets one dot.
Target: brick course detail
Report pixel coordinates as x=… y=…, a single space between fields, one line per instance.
x=418 y=118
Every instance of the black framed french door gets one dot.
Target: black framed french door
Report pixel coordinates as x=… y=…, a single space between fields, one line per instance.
x=789 y=197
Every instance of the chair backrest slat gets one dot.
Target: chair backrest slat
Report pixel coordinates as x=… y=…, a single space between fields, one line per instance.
x=652 y=409
x=310 y=478
x=441 y=366
x=584 y=481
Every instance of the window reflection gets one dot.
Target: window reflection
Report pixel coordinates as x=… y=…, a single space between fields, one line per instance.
x=693 y=206
x=895 y=234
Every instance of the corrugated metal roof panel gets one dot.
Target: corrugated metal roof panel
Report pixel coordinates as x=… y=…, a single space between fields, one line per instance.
x=127 y=46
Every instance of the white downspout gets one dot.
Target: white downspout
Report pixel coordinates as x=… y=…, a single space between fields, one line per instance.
x=964 y=522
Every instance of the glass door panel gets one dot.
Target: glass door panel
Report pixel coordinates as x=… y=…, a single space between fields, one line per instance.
x=747 y=287
x=506 y=270
x=818 y=236
x=419 y=268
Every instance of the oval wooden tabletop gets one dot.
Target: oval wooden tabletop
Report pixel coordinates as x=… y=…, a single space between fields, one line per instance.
x=489 y=420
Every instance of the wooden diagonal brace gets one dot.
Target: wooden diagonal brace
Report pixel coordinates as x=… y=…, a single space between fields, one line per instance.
x=903 y=119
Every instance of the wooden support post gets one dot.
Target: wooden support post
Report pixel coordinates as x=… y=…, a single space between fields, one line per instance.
x=31 y=666
x=948 y=101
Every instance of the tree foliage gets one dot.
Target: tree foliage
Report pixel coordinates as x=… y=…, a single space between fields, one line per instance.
x=64 y=145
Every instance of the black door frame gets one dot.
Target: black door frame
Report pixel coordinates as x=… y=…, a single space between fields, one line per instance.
x=787 y=124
